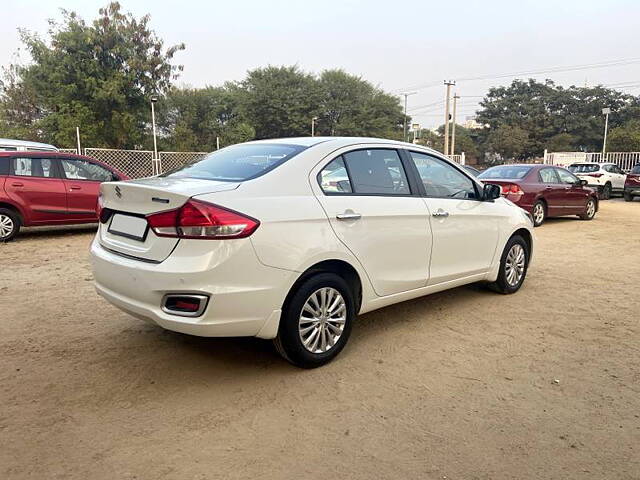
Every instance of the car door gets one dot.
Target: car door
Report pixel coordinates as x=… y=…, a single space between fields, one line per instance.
x=553 y=191
x=618 y=177
x=82 y=179
x=465 y=229
x=575 y=197
x=378 y=216
x=35 y=185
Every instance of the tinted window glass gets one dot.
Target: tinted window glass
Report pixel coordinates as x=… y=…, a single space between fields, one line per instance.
x=566 y=177
x=8 y=149
x=513 y=172
x=584 y=167
x=376 y=171
x=548 y=175
x=441 y=179
x=238 y=162
x=4 y=166
x=334 y=178
x=84 y=170
x=33 y=167
x=635 y=170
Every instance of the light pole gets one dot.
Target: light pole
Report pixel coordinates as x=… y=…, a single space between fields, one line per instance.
x=453 y=125
x=313 y=126
x=404 y=128
x=154 y=99
x=605 y=112
x=448 y=83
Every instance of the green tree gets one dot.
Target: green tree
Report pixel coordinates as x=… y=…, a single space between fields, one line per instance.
x=97 y=76
x=546 y=111
x=280 y=101
x=191 y=119
x=562 y=142
x=509 y=142
x=351 y=106
x=625 y=138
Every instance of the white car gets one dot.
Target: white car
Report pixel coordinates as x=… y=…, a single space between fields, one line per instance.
x=257 y=239
x=605 y=178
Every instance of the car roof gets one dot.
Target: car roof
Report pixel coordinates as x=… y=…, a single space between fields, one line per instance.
x=24 y=143
x=339 y=142
x=41 y=154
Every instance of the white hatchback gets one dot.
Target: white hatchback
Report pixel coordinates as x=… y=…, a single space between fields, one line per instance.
x=290 y=239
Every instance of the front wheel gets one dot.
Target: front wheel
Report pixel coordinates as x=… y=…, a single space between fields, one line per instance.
x=513 y=266
x=316 y=322
x=9 y=224
x=589 y=210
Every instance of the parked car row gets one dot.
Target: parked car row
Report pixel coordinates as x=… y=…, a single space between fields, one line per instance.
x=605 y=178
x=544 y=190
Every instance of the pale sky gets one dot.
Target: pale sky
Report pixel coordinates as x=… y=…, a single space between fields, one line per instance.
x=393 y=45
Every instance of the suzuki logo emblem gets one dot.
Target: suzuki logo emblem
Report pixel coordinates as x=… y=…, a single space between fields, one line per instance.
x=118 y=192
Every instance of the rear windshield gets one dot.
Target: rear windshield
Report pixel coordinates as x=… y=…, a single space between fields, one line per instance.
x=238 y=163
x=505 y=171
x=636 y=170
x=583 y=168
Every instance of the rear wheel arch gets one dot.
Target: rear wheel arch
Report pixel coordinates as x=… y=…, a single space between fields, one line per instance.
x=14 y=208
x=341 y=268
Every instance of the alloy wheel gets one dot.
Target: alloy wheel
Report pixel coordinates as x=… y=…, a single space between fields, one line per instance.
x=591 y=209
x=6 y=226
x=322 y=320
x=515 y=264
x=538 y=213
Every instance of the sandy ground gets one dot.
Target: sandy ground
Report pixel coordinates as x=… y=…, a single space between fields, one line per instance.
x=465 y=384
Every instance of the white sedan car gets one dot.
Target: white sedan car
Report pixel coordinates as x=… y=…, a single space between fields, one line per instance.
x=290 y=239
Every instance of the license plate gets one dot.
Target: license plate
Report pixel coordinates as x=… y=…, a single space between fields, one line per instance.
x=129 y=227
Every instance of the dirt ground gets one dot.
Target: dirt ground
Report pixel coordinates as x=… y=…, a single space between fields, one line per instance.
x=465 y=384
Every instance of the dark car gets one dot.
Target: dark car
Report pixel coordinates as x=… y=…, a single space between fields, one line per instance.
x=632 y=184
x=544 y=190
x=49 y=188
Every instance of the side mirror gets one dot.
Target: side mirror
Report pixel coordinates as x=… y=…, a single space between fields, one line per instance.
x=490 y=192
x=115 y=177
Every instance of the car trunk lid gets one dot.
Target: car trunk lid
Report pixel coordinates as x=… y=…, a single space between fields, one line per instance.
x=129 y=203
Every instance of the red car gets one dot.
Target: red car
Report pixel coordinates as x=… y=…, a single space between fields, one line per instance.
x=544 y=190
x=49 y=188
x=632 y=184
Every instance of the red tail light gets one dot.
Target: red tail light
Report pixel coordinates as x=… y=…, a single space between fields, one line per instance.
x=202 y=220
x=596 y=175
x=511 y=189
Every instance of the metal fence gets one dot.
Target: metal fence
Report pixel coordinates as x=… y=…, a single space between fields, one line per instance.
x=139 y=163
x=458 y=158
x=624 y=160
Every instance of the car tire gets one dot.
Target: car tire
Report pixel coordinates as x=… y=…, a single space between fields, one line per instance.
x=307 y=339
x=589 y=210
x=515 y=258
x=606 y=191
x=628 y=197
x=9 y=224
x=539 y=213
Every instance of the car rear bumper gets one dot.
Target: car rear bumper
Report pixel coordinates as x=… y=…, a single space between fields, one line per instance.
x=245 y=297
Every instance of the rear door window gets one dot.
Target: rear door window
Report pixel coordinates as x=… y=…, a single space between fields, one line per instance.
x=584 y=168
x=548 y=175
x=33 y=167
x=376 y=171
x=76 y=169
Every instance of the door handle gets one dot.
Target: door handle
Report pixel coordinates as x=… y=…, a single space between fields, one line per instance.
x=349 y=216
x=74 y=187
x=440 y=213
x=17 y=184
x=548 y=187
